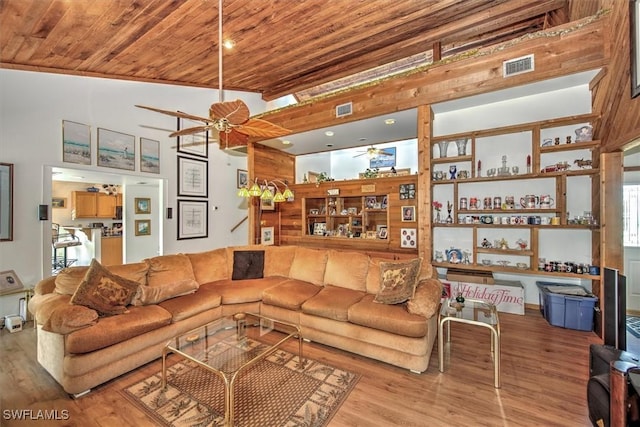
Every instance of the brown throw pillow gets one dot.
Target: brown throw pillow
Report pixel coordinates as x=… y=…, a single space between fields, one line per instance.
x=398 y=281
x=104 y=291
x=248 y=265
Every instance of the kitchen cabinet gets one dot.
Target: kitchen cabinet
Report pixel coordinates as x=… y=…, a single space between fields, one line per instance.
x=88 y=204
x=515 y=195
x=111 y=250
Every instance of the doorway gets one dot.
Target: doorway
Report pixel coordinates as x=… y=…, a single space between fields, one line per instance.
x=134 y=245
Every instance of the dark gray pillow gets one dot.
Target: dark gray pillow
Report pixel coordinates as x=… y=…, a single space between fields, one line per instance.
x=248 y=265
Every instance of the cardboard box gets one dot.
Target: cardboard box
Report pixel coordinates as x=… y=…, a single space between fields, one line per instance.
x=470 y=276
x=507 y=295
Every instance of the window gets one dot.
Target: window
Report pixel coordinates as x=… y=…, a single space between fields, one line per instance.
x=631 y=211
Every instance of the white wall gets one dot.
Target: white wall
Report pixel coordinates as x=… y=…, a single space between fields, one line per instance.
x=348 y=163
x=32 y=107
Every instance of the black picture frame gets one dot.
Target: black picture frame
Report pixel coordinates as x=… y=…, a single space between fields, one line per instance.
x=193 y=219
x=193 y=177
x=196 y=144
x=634 y=24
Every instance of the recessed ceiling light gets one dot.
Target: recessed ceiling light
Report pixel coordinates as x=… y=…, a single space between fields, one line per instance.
x=229 y=44
x=363 y=139
x=329 y=145
x=329 y=133
x=390 y=121
x=286 y=142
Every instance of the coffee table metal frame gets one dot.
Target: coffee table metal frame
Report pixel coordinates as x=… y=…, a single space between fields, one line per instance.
x=239 y=322
x=474 y=312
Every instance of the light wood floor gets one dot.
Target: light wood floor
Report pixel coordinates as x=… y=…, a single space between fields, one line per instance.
x=544 y=377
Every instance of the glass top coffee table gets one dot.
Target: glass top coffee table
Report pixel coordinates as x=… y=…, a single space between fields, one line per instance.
x=472 y=312
x=229 y=345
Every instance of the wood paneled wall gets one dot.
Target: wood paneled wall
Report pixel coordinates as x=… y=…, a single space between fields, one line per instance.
x=620 y=123
x=567 y=49
x=292 y=220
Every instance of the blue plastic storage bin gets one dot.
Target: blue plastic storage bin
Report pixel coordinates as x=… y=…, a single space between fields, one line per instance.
x=566 y=311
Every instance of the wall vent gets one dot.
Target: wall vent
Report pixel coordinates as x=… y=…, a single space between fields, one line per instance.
x=344 y=109
x=516 y=66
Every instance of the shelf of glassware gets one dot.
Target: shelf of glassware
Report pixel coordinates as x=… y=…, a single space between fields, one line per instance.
x=520 y=254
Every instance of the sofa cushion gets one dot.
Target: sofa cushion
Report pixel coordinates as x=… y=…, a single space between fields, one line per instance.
x=290 y=294
x=398 y=280
x=114 y=329
x=68 y=280
x=426 y=299
x=169 y=268
x=347 y=269
x=390 y=318
x=57 y=314
x=308 y=265
x=332 y=302
x=209 y=266
x=183 y=307
x=248 y=265
x=103 y=291
x=148 y=295
x=238 y=292
x=169 y=276
x=67 y=318
x=278 y=260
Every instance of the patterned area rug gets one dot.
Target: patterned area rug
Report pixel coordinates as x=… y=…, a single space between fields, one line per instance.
x=633 y=326
x=274 y=392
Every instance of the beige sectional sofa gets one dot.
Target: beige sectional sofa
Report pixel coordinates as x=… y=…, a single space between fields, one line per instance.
x=339 y=298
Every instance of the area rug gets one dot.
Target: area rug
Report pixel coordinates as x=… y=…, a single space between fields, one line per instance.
x=633 y=326
x=274 y=392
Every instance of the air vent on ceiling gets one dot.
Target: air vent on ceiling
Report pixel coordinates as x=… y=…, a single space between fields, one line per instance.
x=344 y=109
x=517 y=66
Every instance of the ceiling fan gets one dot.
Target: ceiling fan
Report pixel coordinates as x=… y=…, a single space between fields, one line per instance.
x=231 y=120
x=373 y=153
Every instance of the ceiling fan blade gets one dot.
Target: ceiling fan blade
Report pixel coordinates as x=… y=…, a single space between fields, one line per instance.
x=383 y=153
x=236 y=112
x=176 y=114
x=358 y=155
x=261 y=128
x=190 y=131
x=232 y=139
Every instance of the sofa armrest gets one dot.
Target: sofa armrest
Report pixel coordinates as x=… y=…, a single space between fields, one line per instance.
x=426 y=298
x=45 y=286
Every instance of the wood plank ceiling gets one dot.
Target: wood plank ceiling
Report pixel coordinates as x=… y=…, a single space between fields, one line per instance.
x=282 y=47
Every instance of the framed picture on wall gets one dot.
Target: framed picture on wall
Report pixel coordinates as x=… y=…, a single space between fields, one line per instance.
x=142 y=205
x=196 y=144
x=143 y=227
x=58 y=202
x=76 y=143
x=193 y=221
x=193 y=177
x=266 y=235
x=243 y=178
x=149 y=155
x=116 y=150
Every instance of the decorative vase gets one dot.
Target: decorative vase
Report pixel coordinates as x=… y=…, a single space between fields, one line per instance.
x=443 y=148
x=449 y=219
x=437 y=221
x=462 y=146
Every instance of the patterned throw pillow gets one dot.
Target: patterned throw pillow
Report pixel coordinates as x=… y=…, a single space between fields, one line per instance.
x=398 y=281
x=104 y=291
